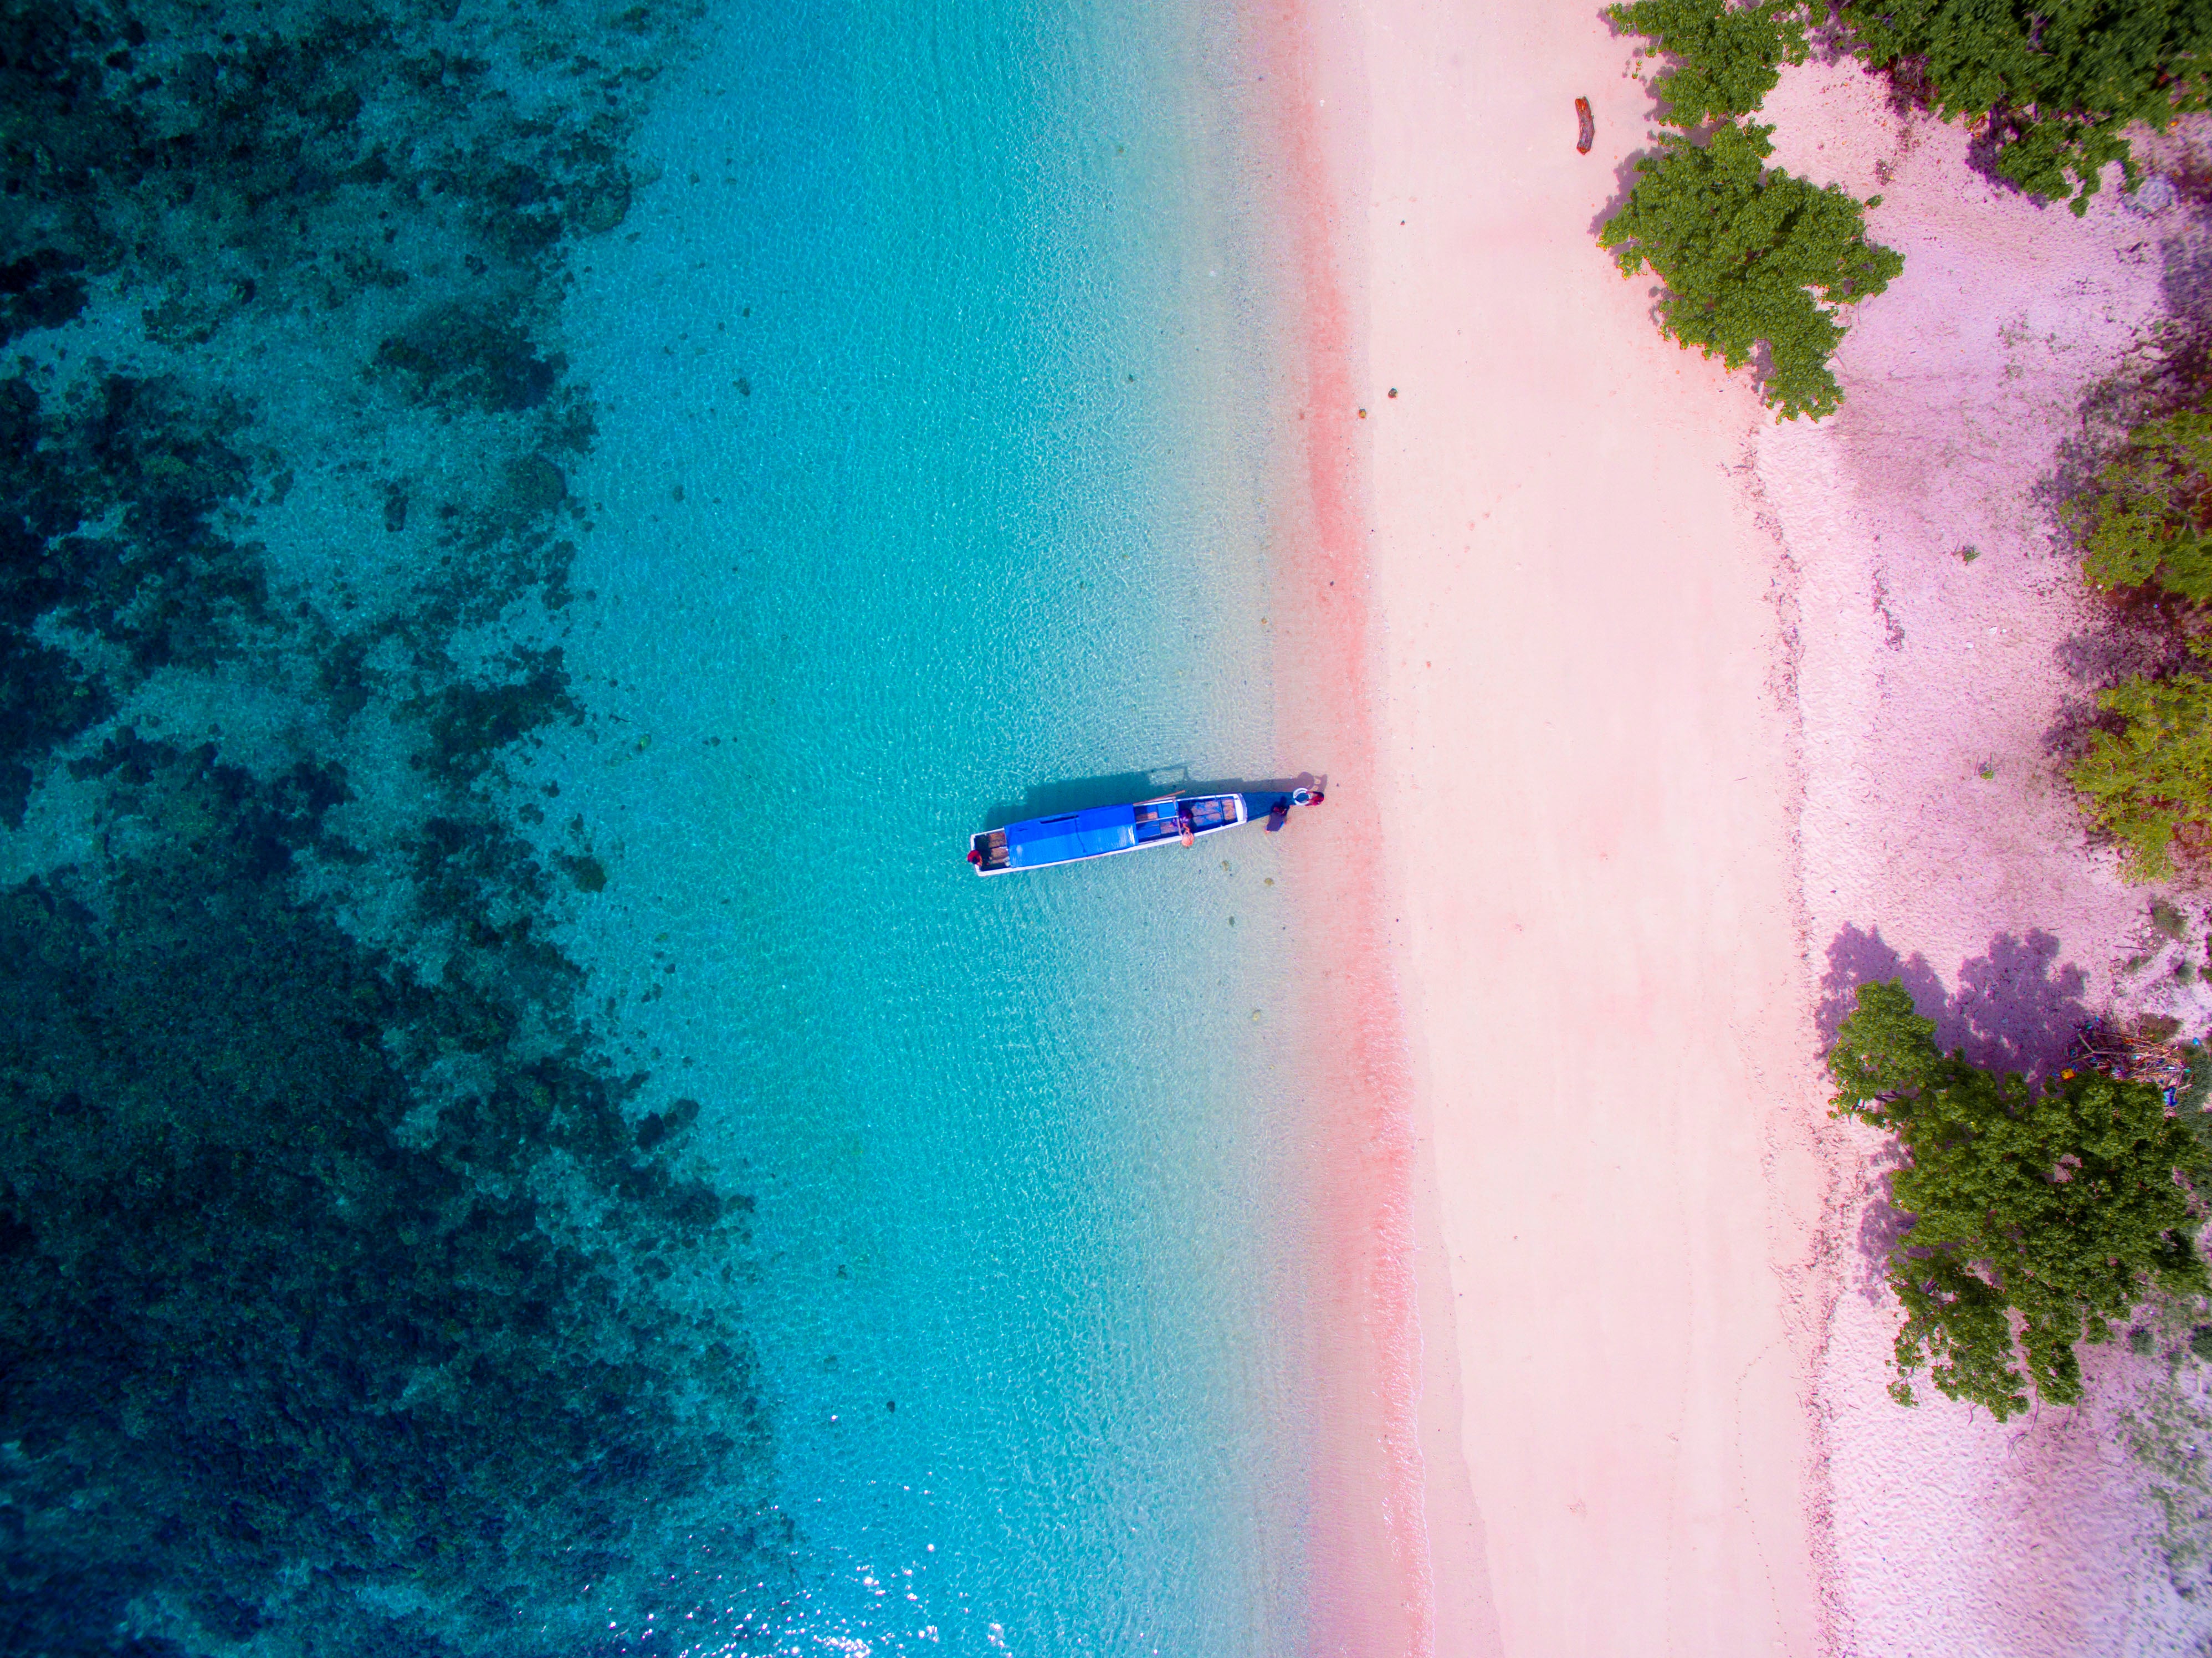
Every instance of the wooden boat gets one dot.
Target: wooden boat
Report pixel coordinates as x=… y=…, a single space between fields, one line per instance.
x=1071 y=837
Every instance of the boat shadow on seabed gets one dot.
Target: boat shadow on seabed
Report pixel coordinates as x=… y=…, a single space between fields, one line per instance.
x=1081 y=793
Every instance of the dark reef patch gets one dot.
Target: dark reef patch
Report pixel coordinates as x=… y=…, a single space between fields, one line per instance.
x=469 y=723
x=41 y=289
x=342 y=1274
x=457 y=360
x=288 y=1313
x=238 y=167
x=45 y=701
x=107 y=519
x=107 y=531
x=659 y=1126
x=534 y=485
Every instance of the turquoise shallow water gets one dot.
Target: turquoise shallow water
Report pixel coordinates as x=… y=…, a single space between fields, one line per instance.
x=533 y=539
x=1018 y=1144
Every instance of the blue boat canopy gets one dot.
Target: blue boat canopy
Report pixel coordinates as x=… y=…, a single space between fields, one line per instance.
x=1072 y=835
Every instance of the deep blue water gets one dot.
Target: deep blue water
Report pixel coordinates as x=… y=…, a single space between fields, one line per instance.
x=533 y=536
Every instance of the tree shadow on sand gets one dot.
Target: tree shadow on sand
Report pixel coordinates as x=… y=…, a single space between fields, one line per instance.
x=1881 y=1223
x=2016 y=1009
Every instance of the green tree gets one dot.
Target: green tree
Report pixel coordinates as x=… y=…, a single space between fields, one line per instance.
x=1749 y=257
x=2063 y=1208
x=1727 y=58
x=2057 y=79
x=2149 y=784
x=2144 y=526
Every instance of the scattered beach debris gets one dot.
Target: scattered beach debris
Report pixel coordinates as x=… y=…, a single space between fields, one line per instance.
x=2149 y=1053
x=1588 y=135
x=2153 y=196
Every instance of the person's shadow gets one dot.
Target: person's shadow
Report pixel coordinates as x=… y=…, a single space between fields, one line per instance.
x=2016 y=1009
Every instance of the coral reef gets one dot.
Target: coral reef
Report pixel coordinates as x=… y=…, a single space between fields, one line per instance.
x=349 y=1290
x=290 y=1314
x=105 y=529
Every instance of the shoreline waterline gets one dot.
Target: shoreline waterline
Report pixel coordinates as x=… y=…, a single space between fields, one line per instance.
x=1373 y=1583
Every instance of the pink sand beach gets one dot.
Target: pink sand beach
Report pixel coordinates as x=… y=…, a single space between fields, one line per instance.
x=1651 y=728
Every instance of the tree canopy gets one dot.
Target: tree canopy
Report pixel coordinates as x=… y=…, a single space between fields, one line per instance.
x=1749 y=257
x=1727 y=58
x=2148 y=783
x=2057 y=80
x=2146 y=780
x=2144 y=524
x=2063 y=1208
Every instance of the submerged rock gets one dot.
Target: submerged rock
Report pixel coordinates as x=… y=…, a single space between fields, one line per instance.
x=603 y=204
x=657 y=1126
x=458 y=358
x=470 y=723
x=41 y=289
x=534 y=484
x=153 y=465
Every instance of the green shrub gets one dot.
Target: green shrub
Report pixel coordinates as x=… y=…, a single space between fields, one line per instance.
x=1750 y=257
x=2149 y=784
x=2143 y=525
x=2065 y=1208
x=1727 y=58
x=2057 y=79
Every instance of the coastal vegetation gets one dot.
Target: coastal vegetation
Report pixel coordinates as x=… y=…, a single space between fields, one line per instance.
x=1727 y=58
x=1754 y=258
x=2141 y=527
x=2147 y=782
x=2050 y=85
x=2037 y=1217
x=1751 y=258
x=2144 y=777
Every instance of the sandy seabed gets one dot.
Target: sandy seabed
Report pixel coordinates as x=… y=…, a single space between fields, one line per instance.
x=1671 y=724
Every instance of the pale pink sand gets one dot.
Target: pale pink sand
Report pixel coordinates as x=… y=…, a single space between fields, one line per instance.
x=1918 y=670
x=1669 y=723
x=1584 y=763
